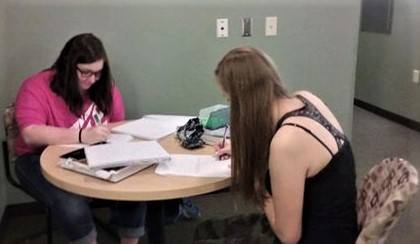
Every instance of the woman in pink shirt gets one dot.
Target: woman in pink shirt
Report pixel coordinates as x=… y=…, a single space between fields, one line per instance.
x=72 y=102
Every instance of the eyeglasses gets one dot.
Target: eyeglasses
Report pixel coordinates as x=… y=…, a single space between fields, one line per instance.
x=85 y=74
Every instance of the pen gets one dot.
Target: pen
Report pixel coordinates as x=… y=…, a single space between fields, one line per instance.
x=224 y=137
x=223 y=156
x=97 y=120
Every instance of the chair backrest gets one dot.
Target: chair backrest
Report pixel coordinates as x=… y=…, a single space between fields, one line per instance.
x=383 y=195
x=11 y=130
x=9 y=155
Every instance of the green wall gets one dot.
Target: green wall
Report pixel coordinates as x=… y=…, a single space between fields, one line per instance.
x=3 y=100
x=385 y=63
x=163 y=52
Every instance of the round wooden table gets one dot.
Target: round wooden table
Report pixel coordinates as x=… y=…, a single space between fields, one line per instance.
x=142 y=186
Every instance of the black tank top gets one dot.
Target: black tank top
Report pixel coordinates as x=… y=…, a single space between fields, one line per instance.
x=329 y=206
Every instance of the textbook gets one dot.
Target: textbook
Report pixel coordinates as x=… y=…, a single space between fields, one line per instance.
x=152 y=127
x=106 y=155
x=211 y=137
x=123 y=154
x=114 y=162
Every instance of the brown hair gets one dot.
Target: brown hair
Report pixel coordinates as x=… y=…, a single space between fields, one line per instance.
x=82 y=48
x=249 y=78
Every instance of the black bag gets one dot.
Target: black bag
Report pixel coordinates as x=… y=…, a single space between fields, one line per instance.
x=190 y=134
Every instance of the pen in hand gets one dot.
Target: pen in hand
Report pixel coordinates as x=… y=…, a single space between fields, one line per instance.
x=224 y=156
x=97 y=120
x=98 y=123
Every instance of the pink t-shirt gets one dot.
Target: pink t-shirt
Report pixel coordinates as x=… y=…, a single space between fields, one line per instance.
x=37 y=104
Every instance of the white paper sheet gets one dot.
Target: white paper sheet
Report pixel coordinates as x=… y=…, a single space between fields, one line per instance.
x=78 y=145
x=152 y=127
x=194 y=165
x=119 y=138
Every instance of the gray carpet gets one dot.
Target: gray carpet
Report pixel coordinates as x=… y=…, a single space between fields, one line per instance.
x=374 y=138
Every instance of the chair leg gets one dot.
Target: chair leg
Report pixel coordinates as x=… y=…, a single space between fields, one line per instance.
x=49 y=226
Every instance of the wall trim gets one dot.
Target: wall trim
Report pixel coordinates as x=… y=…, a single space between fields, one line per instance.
x=412 y=124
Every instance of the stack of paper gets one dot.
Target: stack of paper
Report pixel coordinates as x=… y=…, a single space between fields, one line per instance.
x=123 y=154
x=152 y=127
x=194 y=165
x=211 y=137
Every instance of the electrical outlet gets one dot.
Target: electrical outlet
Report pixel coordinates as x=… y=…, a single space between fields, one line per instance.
x=222 y=28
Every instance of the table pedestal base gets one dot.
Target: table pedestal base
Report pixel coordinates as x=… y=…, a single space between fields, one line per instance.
x=155 y=224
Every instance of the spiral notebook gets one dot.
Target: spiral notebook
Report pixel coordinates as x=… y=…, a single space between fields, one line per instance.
x=114 y=174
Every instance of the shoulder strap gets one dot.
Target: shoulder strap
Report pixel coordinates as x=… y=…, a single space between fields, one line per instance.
x=313 y=113
x=289 y=114
x=312 y=134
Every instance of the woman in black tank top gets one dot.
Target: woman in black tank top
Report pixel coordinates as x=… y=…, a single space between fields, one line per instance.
x=287 y=158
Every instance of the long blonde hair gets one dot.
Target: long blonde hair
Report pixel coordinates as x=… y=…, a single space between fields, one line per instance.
x=249 y=78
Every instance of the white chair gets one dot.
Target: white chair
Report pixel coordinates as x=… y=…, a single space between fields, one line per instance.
x=383 y=195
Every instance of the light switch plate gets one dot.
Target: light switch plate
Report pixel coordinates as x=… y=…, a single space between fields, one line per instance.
x=222 y=28
x=271 y=26
x=416 y=76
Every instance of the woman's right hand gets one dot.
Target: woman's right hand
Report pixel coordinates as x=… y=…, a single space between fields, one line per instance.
x=223 y=151
x=95 y=134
